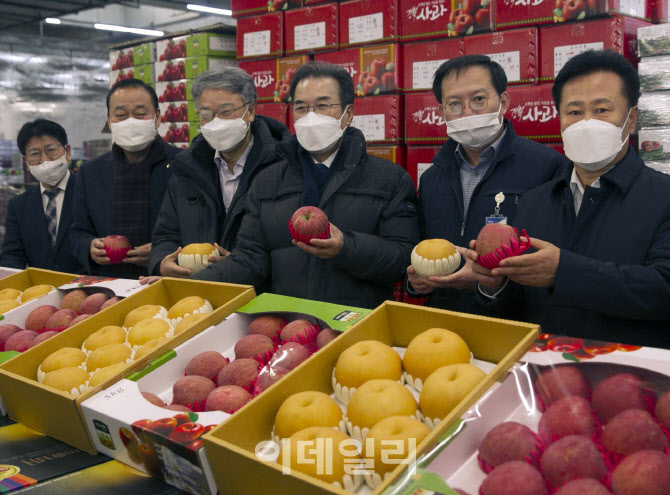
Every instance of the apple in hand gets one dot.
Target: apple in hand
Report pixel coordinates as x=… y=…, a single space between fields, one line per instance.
x=307 y=223
x=116 y=241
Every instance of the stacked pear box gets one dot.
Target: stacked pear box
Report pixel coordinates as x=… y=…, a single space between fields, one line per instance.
x=57 y=413
x=613 y=386
x=166 y=445
x=231 y=448
x=420 y=159
x=311 y=29
x=533 y=113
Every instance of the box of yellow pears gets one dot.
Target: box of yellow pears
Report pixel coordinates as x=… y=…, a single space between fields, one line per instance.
x=28 y=285
x=44 y=386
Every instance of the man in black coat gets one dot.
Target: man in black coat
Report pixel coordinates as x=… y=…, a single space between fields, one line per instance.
x=120 y=192
x=370 y=203
x=37 y=226
x=482 y=158
x=600 y=267
x=206 y=195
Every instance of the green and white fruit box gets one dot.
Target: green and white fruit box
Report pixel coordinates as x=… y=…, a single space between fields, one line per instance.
x=144 y=53
x=219 y=45
x=195 y=66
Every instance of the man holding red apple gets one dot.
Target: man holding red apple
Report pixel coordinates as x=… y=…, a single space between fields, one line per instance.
x=600 y=232
x=482 y=157
x=120 y=192
x=370 y=202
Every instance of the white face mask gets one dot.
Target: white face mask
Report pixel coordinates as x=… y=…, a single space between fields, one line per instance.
x=224 y=134
x=475 y=131
x=316 y=133
x=593 y=144
x=133 y=134
x=50 y=173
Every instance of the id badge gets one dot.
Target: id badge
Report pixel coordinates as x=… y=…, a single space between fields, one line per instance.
x=497 y=217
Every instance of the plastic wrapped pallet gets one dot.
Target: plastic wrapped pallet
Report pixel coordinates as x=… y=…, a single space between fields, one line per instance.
x=654 y=109
x=653 y=40
x=654 y=73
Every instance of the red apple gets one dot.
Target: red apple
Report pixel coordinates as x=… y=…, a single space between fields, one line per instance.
x=73 y=299
x=388 y=81
x=573 y=8
x=494 y=235
x=370 y=85
x=455 y=14
x=163 y=426
x=483 y=18
x=7 y=331
x=463 y=23
x=116 y=241
x=186 y=433
x=377 y=67
x=20 y=341
x=469 y=6
x=309 y=221
x=38 y=317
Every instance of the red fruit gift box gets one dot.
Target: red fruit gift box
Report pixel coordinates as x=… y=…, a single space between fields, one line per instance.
x=379 y=118
x=424 y=123
x=420 y=159
x=533 y=113
x=423 y=19
x=421 y=60
x=311 y=29
x=368 y=21
x=260 y=36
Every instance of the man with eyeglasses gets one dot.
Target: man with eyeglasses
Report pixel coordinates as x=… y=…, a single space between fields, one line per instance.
x=206 y=197
x=370 y=203
x=120 y=192
x=482 y=158
x=37 y=225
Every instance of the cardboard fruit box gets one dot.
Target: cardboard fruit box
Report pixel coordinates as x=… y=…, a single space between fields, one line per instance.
x=420 y=159
x=33 y=276
x=516 y=51
x=171 y=48
x=57 y=413
x=231 y=448
x=368 y=21
x=243 y=8
x=277 y=111
x=144 y=53
x=178 y=90
x=211 y=45
x=264 y=73
x=179 y=133
x=424 y=123
x=121 y=59
x=533 y=112
x=396 y=153
x=115 y=415
x=560 y=43
x=311 y=29
x=421 y=61
x=260 y=36
x=423 y=19
x=379 y=118
x=286 y=67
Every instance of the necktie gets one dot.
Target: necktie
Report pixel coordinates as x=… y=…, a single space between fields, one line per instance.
x=51 y=214
x=322 y=168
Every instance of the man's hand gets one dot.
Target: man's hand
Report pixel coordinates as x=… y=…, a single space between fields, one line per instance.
x=420 y=285
x=463 y=279
x=484 y=276
x=324 y=248
x=170 y=268
x=149 y=280
x=535 y=270
x=139 y=255
x=98 y=253
x=222 y=254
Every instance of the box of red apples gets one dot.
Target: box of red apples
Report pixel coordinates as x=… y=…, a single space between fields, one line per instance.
x=178 y=111
x=189 y=68
x=516 y=51
x=421 y=60
x=560 y=43
x=379 y=118
x=583 y=409
x=196 y=45
x=246 y=442
x=142 y=72
x=420 y=159
x=121 y=59
x=207 y=379
x=429 y=19
x=260 y=36
x=533 y=113
x=56 y=411
x=375 y=70
x=424 y=123
x=311 y=29
x=517 y=13
x=277 y=111
x=243 y=8
x=179 y=134
x=368 y=21
x=178 y=90
x=273 y=77
x=396 y=153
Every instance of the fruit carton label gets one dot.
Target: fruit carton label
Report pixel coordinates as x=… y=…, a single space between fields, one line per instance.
x=174 y=90
x=121 y=59
x=425 y=19
x=424 y=123
x=242 y=8
x=375 y=70
x=286 y=67
x=311 y=29
x=395 y=154
x=218 y=45
x=516 y=51
x=144 y=53
x=421 y=60
x=171 y=48
x=470 y=17
x=264 y=73
x=533 y=113
x=379 y=118
x=277 y=111
x=260 y=36
x=515 y=13
x=368 y=21
x=178 y=111
x=420 y=159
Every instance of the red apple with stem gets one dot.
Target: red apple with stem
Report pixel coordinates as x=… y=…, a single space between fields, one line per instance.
x=309 y=222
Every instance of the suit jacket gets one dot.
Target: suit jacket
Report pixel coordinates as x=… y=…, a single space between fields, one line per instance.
x=27 y=240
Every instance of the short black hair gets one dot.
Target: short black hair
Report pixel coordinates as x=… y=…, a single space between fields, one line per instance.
x=39 y=128
x=592 y=61
x=134 y=83
x=319 y=69
x=459 y=64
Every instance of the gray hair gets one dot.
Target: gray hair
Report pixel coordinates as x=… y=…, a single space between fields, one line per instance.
x=232 y=79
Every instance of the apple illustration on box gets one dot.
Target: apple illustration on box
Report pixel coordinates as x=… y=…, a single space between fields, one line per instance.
x=307 y=223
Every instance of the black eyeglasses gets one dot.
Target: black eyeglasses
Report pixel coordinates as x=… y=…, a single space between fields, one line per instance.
x=225 y=114
x=301 y=110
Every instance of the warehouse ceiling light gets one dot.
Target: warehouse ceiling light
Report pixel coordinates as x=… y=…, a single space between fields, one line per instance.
x=52 y=20
x=209 y=10
x=124 y=29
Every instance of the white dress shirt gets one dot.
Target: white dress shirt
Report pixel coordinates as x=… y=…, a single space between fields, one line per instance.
x=230 y=180
x=328 y=161
x=578 y=189
x=60 y=197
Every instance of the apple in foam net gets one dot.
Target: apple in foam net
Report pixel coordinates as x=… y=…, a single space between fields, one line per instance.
x=492 y=236
x=310 y=221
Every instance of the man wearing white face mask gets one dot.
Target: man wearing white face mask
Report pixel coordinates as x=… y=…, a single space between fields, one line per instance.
x=206 y=196
x=370 y=203
x=482 y=158
x=120 y=192
x=37 y=225
x=601 y=232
